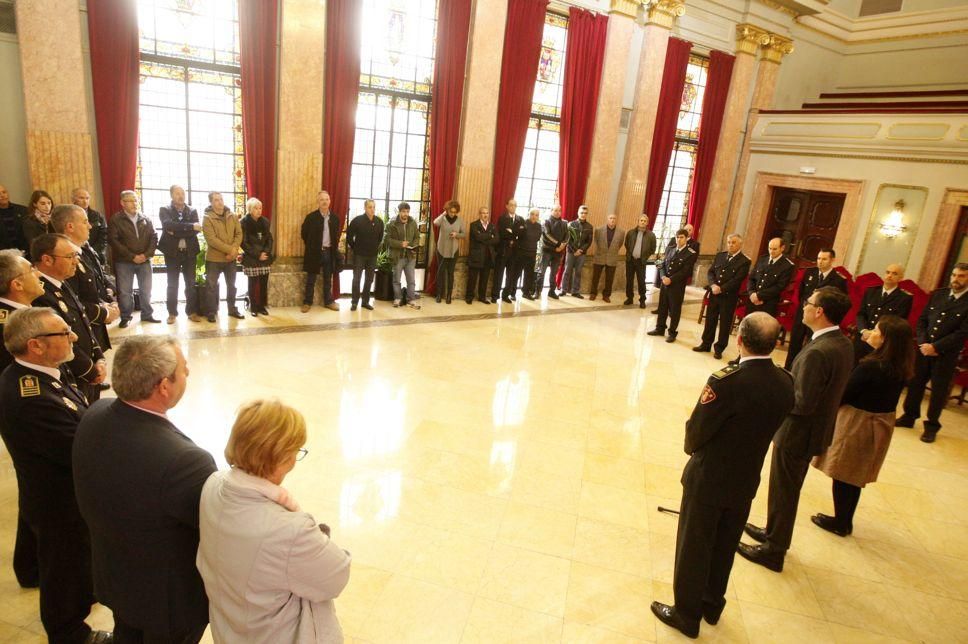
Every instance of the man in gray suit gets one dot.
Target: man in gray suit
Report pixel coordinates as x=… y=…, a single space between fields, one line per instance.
x=820 y=374
x=609 y=240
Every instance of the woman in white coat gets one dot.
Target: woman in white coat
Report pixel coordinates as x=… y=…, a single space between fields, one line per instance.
x=270 y=572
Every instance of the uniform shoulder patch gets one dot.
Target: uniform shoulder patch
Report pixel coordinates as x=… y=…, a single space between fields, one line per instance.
x=707 y=395
x=726 y=371
x=789 y=261
x=29 y=386
x=3 y=315
x=691 y=249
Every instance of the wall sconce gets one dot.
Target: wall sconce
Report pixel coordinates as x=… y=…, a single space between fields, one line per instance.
x=894 y=224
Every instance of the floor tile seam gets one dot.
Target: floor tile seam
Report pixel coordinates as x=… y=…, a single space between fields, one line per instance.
x=833 y=620
x=561 y=618
x=603 y=627
x=747 y=602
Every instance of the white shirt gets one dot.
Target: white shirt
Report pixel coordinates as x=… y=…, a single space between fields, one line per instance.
x=817 y=334
x=886 y=292
x=745 y=359
x=53 y=373
x=958 y=295
x=52 y=280
x=15 y=305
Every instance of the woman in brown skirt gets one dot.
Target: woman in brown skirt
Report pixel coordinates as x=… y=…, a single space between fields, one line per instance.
x=865 y=421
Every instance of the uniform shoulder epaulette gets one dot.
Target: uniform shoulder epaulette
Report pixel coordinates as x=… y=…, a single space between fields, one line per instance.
x=726 y=371
x=788 y=259
x=903 y=290
x=746 y=256
x=3 y=315
x=691 y=249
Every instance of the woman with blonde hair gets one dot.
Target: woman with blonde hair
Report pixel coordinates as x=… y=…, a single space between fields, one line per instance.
x=257 y=255
x=270 y=572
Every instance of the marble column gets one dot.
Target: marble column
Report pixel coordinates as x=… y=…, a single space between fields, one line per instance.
x=299 y=159
x=748 y=40
x=621 y=25
x=660 y=17
x=60 y=140
x=771 y=55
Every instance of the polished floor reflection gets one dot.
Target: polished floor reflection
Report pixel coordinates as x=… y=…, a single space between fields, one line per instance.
x=497 y=481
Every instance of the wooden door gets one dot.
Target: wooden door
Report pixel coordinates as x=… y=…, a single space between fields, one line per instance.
x=807 y=221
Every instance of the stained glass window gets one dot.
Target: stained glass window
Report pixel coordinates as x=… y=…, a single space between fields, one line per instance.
x=674 y=205
x=537 y=185
x=391 y=150
x=190 y=114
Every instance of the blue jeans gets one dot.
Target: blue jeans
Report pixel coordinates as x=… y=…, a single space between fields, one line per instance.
x=212 y=271
x=125 y=273
x=571 y=280
x=549 y=259
x=405 y=265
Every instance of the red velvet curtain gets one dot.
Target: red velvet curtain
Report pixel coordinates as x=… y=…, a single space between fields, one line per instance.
x=710 y=124
x=258 y=25
x=342 y=87
x=115 y=61
x=663 y=139
x=453 y=25
x=519 y=71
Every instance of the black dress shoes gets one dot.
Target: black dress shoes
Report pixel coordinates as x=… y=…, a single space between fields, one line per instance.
x=641 y=305
x=151 y=319
x=755 y=533
x=627 y=301
x=123 y=324
x=762 y=556
x=671 y=338
x=211 y=318
x=928 y=436
x=99 y=637
x=353 y=306
x=507 y=300
x=659 y=332
x=578 y=295
x=484 y=301
x=718 y=355
x=830 y=524
x=552 y=295
x=367 y=306
x=904 y=421
x=702 y=348
x=712 y=616
x=234 y=313
x=668 y=616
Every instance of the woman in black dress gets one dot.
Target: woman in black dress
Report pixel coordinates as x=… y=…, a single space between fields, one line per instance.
x=865 y=421
x=256 y=256
x=37 y=221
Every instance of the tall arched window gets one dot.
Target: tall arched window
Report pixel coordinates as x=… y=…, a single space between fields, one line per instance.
x=390 y=153
x=190 y=125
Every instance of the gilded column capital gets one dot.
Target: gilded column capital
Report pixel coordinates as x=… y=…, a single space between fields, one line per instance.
x=663 y=12
x=749 y=38
x=776 y=49
x=628 y=8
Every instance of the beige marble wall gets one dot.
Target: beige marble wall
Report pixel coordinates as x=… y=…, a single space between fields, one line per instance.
x=601 y=170
x=59 y=140
x=299 y=171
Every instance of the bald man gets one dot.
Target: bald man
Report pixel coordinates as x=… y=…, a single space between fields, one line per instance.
x=770 y=276
x=99 y=224
x=887 y=299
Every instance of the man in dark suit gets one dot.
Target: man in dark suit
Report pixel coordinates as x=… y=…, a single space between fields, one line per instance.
x=142 y=511
x=770 y=276
x=320 y=232
x=39 y=411
x=726 y=437
x=640 y=245
x=57 y=260
x=179 y=245
x=99 y=224
x=12 y=217
x=507 y=224
x=823 y=274
x=525 y=234
x=878 y=301
x=480 y=258
x=724 y=279
x=674 y=272
x=941 y=334
x=820 y=375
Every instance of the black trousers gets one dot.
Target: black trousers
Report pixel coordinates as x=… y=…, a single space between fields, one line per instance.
x=787 y=472
x=66 y=584
x=326 y=269
x=939 y=370
x=552 y=260
x=363 y=267
x=181 y=264
x=522 y=265
x=258 y=291
x=635 y=274
x=705 y=547
x=503 y=266
x=445 y=275
x=477 y=282
x=25 y=566
x=799 y=335
x=127 y=634
x=719 y=315
x=768 y=306
x=609 y=278
x=670 y=306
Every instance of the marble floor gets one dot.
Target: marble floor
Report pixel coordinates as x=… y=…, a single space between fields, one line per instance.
x=497 y=477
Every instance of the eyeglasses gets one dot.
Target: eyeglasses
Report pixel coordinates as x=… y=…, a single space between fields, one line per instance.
x=55 y=335
x=301 y=454
x=71 y=256
x=814 y=304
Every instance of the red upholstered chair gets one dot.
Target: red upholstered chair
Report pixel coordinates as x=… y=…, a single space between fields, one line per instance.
x=961 y=376
x=702 y=309
x=786 y=311
x=921 y=298
x=856 y=292
x=849 y=318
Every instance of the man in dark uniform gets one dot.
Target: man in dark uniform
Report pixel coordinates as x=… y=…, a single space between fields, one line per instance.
x=39 y=411
x=320 y=233
x=941 y=334
x=823 y=274
x=527 y=237
x=504 y=255
x=879 y=301
x=57 y=259
x=690 y=242
x=727 y=437
x=89 y=281
x=12 y=217
x=770 y=276
x=99 y=224
x=725 y=277
x=820 y=376
x=19 y=286
x=674 y=272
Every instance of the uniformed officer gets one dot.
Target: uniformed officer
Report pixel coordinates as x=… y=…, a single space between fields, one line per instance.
x=770 y=276
x=941 y=334
x=727 y=436
x=88 y=282
x=823 y=274
x=98 y=222
x=39 y=411
x=877 y=302
x=57 y=259
x=674 y=272
x=725 y=277
x=511 y=228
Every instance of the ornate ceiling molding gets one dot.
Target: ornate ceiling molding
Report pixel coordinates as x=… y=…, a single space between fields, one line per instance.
x=628 y=8
x=663 y=12
x=749 y=38
x=777 y=47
